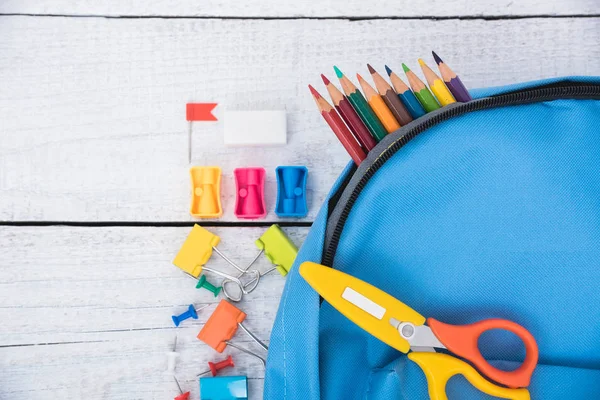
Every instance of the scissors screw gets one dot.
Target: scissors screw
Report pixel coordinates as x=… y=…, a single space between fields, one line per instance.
x=407 y=330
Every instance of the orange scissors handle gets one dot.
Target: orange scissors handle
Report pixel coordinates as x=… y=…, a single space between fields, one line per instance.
x=462 y=341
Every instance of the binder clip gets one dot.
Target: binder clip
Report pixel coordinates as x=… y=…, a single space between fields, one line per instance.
x=192 y=312
x=182 y=396
x=291 y=191
x=278 y=248
x=250 y=187
x=172 y=357
x=222 y=325
x=206 y=192
x=195 y=253
x=213 y=368
x=224 y=388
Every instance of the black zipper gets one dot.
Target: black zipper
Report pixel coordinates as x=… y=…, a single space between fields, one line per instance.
x=348 y=193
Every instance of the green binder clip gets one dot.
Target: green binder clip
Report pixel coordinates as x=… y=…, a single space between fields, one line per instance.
x=278 y=248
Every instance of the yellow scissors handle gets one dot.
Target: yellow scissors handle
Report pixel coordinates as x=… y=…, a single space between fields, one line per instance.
x=439 y=368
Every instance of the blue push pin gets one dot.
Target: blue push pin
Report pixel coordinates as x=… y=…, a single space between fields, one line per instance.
x=192 y=312
x=224 y=388
x=291 y=191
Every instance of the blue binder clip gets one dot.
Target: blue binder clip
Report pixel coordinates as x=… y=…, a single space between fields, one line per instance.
x=224 y=388
x=291 y=191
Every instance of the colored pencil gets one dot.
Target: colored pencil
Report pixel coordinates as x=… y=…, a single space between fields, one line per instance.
x=452 y=81
x=437 y=86
x=420 y=90
x=344 y=108
x=361 y=106
x=378 y=105
x=338 y=127
x=390 y=97
x=406 y=95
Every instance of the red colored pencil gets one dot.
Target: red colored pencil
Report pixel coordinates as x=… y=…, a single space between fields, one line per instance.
x=338 y=127
x=350 y=117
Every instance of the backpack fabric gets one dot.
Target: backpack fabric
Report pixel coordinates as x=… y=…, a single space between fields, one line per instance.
x=491 y=214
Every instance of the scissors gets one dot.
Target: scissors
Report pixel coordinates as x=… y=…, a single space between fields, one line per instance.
x=401 y=327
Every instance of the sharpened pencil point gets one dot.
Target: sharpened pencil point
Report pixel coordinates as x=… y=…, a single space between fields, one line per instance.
x=405 y=68
x=388 y=70
x=338 y=72
x=360 y=78
x=437 y=58
x=325 y=80
x=371 y=69
x=314 y=92
x=421 y=62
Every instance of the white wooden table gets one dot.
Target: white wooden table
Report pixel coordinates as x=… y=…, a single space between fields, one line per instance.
x=94 y=187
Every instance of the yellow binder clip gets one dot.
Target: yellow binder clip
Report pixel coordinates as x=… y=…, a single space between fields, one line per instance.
x=197 y=250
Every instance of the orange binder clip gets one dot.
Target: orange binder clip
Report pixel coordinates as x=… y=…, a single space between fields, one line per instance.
x=222 y=326
x=206 y=192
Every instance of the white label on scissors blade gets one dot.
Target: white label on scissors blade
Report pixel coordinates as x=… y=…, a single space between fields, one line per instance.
x=363 y=302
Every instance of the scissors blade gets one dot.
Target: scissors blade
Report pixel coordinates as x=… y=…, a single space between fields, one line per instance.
x=367 y=306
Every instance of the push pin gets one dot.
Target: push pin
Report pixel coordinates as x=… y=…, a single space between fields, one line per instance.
x=196 y=251
x=291 y=191
x=197 y=112
x=213 y=368
x=192 y=312
x=203 y=283
x=278 y=248
x=206 y=192
x=172 y=358
x=224 y=388
x=222 y=325
x=182 y=396
x=250 y=188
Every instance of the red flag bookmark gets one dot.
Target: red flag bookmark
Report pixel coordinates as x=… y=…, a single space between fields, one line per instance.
x=200 y=111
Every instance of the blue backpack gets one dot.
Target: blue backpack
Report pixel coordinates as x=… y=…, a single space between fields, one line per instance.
x=487 y=209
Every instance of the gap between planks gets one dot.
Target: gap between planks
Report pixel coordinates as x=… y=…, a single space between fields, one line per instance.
x=337 y=18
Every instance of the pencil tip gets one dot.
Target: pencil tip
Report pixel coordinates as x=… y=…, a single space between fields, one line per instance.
x=421 y=62
x=338 y=72
x=405 y=68
x=360 y=78
x=388 y=70
x=371 y=69
x=325 y=80
x=437 y=58
x=314 y=92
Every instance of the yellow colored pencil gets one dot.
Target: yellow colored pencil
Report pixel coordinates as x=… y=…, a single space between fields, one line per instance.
x=437 y=85
x=378 y=105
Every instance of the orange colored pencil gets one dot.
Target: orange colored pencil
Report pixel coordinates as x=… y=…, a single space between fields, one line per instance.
x=378 y=105
x=390 y=97
x=338 y=127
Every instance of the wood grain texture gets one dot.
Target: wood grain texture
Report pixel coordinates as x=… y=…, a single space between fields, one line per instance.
x=92 y=110
x=328 y=8
x=86 y=312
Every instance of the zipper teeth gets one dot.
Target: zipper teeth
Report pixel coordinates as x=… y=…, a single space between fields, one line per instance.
x=532 y=95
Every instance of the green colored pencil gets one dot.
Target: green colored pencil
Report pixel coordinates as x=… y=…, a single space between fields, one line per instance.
x=362 y=108
x=421 y=91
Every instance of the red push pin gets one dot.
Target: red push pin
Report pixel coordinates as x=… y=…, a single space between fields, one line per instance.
x=216 y=367
x=182 y=396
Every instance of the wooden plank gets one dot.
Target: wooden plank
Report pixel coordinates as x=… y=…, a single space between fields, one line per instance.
x=330 y=8
x=86 y=311
x=92 y=109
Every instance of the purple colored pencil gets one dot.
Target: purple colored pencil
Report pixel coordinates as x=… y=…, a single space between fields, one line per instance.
x=452 y=81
